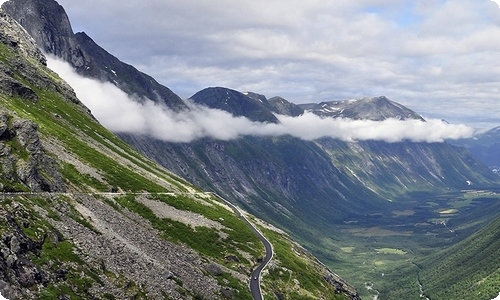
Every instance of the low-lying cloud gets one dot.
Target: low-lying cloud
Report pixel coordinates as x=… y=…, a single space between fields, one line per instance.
x=123 y=114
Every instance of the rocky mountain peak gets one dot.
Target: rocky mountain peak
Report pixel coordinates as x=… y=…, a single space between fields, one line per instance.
x=284 y=107
x=47 y=23
x=236 y=103
x=367 y=108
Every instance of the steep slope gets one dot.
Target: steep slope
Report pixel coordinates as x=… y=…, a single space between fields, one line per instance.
x=396 y=170
x=284 y=107
x=286 y=180
x=485 y=146
x=473 y=263
x=87 y=217
x=47 y=22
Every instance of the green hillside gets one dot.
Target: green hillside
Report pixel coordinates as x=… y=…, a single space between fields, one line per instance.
x=467 y=270
x=84 y=216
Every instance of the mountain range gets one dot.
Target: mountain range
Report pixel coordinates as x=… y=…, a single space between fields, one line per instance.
x=312 y=189
x=85 y=216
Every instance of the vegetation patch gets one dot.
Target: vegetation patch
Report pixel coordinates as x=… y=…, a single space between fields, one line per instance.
x=206 y=241
x=376 y=231
x=300 y=279
x=449 y=211
x=390 y=251
x=403 y=213
x=85 y=182
x=347 y=249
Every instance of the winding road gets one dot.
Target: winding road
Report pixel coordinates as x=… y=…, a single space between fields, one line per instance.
x=254 y=284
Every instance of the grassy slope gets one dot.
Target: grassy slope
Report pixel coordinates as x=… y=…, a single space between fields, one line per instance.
x=467 y=270
x=68 y=126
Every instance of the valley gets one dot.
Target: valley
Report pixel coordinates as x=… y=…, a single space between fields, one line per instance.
x=379 y=254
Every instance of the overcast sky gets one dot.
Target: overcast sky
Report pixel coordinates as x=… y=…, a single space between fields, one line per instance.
x=440 y=58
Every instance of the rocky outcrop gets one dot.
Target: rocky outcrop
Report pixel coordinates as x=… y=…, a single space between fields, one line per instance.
x=14 y=88
x=18 y=273
x=54 y=34
x=18 y=63
x=23 y=160
x=47 y=22
x=284 y=107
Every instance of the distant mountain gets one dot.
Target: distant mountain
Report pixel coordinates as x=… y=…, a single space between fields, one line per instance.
x=85 y=216
x=485 y=146
x=236 y=103
x=284 y=107
x=375 y=109
x=47 y=22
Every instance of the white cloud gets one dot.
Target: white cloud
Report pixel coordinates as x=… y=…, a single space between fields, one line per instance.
x=120 y=113
x=419 y=53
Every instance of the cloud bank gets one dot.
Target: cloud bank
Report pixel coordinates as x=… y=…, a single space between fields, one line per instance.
x=121 y=113
x=438 y=57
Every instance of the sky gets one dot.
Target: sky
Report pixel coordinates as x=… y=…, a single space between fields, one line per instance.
x=120 y=112
x=438 y=57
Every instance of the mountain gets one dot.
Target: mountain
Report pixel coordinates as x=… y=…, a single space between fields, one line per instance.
x=236 y=103
x=342 y=200
x=375 y=109
x=485 y=146
x=284 y=107
x=48 y=24
x=84 y=216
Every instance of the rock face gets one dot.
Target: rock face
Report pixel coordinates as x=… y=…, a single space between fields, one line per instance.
x=16 y=66
x=23 y=159
x=284 y=107
x=47 y=22
x=17 y=271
